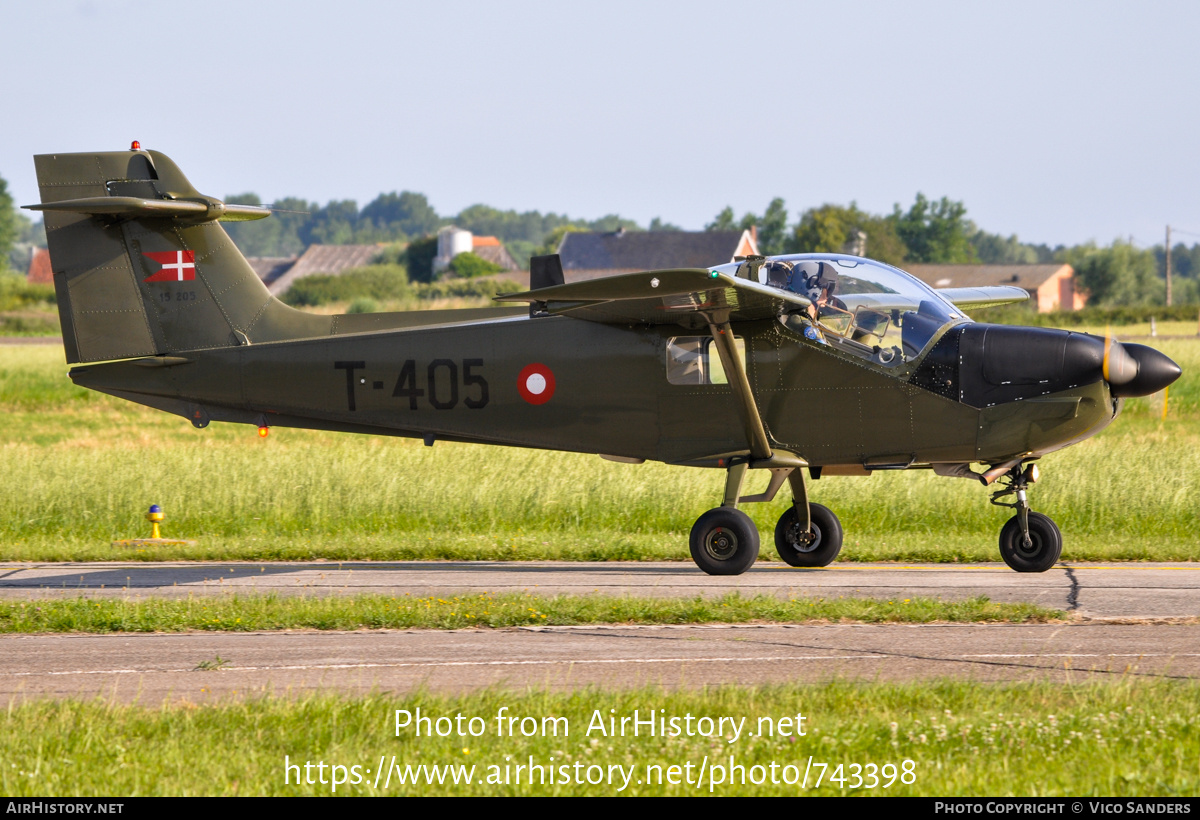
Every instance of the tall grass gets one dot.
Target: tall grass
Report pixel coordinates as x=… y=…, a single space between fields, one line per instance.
x=253 y=613
x=78 y=469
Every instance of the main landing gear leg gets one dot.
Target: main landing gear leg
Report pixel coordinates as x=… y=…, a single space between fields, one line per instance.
x=807 y=535
x=1030 y=541
x=724 y=540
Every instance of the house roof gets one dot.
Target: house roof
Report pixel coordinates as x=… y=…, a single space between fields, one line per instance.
x=645 y=250
x=1029 y=277
x=39 y=268
x=324 y=259
x=270 y=268
x=496 y=254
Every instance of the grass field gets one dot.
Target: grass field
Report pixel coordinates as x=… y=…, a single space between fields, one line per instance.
x=1125 y=738
x=78 y=470
x=254 y=613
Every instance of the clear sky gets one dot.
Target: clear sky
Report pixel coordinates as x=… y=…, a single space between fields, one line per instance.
x=1059 y=122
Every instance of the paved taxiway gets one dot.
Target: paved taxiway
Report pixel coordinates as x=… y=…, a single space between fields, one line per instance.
x=151 y=668
x=1124 y=630
x=1089 y=590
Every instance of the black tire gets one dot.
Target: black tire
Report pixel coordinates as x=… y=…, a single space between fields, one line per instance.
x=824 y=546
x=724 y=541
x=1046 y=548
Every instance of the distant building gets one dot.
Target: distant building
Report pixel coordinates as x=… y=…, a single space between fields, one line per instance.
x=1051 y=287
x=492 y=250
x=39 y=268
x=592 y=255
x=270 y=268
x=329 y=259
x=453 y=240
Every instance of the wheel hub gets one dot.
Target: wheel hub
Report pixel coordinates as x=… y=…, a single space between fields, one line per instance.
x=804 y=541
x=721 y=544
x=1032 y=549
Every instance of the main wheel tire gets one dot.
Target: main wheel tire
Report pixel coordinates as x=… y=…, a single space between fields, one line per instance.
x=1044 y=551
x=724 y=541
x=822 y=546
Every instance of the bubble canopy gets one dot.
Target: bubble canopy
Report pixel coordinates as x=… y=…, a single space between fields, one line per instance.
x=859 y=305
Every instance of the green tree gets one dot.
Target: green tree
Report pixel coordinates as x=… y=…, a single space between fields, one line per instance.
x=1117 y=275
x=610 y=223
x=278 y=234
x=772 y=228
x=827 y=230
x=335 y=224
x=555 y=237
x=30 y=236
x=469 y=265
x=936 y=232
x=418 y=259
x=993 y=249
x=10 y=226
x=377 y=282
x=658 y=225
x=401 y=215
x=520 y=250
x=723 y=221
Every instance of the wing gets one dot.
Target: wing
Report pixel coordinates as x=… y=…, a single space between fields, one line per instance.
x=991 y=296
x=663 y=297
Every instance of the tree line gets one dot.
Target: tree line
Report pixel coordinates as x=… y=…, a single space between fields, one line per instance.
x=927 y=231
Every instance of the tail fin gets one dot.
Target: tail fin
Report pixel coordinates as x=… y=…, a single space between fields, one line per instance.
x=142 y=267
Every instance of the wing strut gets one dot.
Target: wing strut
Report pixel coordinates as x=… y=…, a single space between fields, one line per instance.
x=756 y=434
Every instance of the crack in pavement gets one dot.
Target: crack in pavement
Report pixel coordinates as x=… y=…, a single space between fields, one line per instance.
x=886 y=653
x=1073 y=595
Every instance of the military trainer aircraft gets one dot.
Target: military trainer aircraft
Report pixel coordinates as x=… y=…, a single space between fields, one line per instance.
x=830 y=364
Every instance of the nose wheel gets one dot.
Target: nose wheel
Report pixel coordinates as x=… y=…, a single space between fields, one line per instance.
x=1035 y=552
x=1029 y=541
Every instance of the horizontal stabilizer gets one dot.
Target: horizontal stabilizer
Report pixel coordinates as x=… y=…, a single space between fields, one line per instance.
x=138 y=207
x=991 y=296
x=664 y=297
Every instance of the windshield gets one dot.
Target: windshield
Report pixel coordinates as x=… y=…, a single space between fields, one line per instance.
x=865 y=307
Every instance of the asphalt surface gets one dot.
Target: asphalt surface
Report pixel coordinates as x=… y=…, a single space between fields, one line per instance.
x=1088 y=590
x=1133 y=620
x=153 y=668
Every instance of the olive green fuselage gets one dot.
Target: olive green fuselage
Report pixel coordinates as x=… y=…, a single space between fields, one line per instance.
x=607 y=392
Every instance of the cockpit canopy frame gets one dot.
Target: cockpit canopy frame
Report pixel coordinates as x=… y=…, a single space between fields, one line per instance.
x=861 y=306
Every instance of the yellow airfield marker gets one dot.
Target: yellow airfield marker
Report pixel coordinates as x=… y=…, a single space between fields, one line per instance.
x=155 y=517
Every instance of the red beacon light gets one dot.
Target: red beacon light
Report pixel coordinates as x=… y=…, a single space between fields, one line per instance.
x=135 y=146
x=264 y=431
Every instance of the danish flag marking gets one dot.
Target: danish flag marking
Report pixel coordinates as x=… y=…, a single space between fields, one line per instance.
x=177 y=266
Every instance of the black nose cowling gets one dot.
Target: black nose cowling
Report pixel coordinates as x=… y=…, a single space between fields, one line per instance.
x=995 y=364
x=1142 y=371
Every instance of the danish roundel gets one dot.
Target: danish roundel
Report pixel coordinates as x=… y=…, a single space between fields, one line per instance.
x=536 y=383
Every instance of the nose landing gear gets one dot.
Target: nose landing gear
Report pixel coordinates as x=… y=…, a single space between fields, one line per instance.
x=1029 y=541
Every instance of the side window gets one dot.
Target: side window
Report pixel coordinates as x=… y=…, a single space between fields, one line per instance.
x=694 y=360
